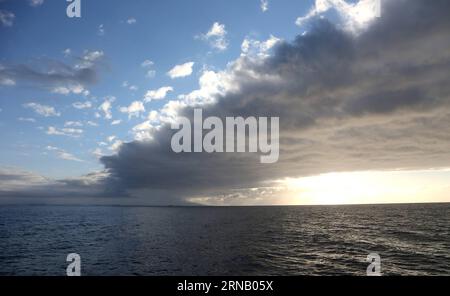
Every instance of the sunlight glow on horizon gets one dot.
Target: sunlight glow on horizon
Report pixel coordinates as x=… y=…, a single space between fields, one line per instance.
x=370 y=187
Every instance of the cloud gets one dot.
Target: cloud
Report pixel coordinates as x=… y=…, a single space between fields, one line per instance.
x=130 y=87
x=67 y=52
x=36 y=3
x=73 y=123
x=82 y=105
x=264 y=5
x=216 y=36
x=26 y=119
x=89 y=59
x=157 y=94
x=55 y=76
x=7 y=18
x=258 y=49
x=115 y=146
x=182 y=70
x=131 y=21
x=68 y=132
x=101 y=30
x=147 y=63
x=378 y=100
x=150 y=74
x=134 y=109
x=354 y=16
x=43 y=110
x=116 y=122
x=71 y=89
x=62 y=154
x=14 y=179
x=98 y=152
x=7 y=82
x=18 y=183
x=106 y=106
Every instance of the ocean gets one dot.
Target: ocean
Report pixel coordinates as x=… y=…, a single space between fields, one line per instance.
x=291 y=240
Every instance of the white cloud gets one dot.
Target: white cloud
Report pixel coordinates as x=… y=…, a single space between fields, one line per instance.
x=147 y=63
x=217 y=30
x=66 y=90
x=26 y=119
x=131 y=21
x=143 y=131
x=211 y=84
x=101 y=30
x=82 y=105
x=182 y=70
x=67 y=156
x=258 y=49
x=134 y=109
x=93 y=56
x=67 y=52
x=89 y=58
x=153 y=116
x=6 y=18
x=46 y=111
x=69 y=132
x=73 y=123
x=72 y=130
x=116 y=143
x=35 y=3
x=130 y=87
x=116 y=122
x=216 y=36
x=91 y=123
x=157 y=94
x=106 y=107
x=150 y=74
x=63 y=154
x=98 y=152
x=264 y=5
x=115 y=146
x=355 y=16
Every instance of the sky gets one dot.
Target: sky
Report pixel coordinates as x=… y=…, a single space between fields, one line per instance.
x=360 y=87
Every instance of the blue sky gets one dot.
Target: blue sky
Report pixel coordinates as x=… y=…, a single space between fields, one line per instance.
x=127 y=33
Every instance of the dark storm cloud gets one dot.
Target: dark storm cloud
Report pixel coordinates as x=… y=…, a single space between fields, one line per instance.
x=379 y=100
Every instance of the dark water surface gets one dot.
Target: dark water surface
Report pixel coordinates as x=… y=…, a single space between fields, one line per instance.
x=322 y=240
